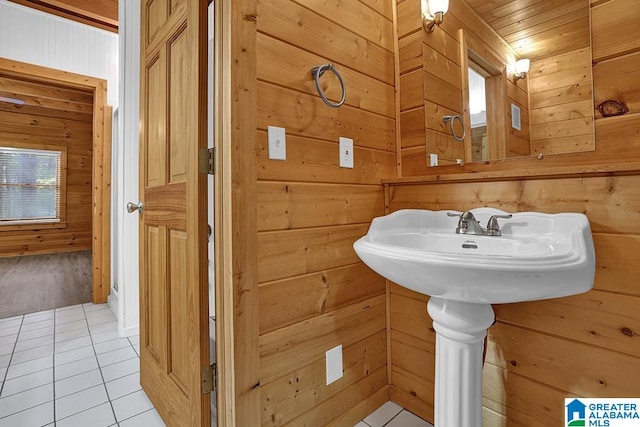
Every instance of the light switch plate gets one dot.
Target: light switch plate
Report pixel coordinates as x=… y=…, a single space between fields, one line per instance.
x=433 y=159
x=334 y=364
x=346 y=152
x=277 y=143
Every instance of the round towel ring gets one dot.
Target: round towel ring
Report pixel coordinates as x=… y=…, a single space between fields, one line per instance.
x=451 y=120
x=317 y=72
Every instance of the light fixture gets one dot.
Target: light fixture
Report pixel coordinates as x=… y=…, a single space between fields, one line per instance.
x=433 y=13
x=521 y=69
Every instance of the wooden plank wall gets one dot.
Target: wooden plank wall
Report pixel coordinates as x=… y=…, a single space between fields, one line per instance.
x=540 y=352
x=562 y=103
x=314 y=293
x=53 y=115
x=431 y=84
x=616 y=58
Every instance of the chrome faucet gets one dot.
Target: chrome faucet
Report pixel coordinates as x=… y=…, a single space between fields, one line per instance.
x=468 y=224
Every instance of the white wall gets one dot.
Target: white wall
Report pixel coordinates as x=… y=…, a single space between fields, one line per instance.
x=126 y=252
x=28 y=35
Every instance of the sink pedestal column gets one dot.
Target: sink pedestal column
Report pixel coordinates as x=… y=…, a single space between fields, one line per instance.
x=460 y=331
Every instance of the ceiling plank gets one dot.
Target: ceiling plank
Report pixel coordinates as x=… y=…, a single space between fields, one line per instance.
x=97 y=13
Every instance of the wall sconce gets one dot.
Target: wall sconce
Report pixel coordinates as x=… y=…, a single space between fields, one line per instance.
x=521 y=69
x=433 y=13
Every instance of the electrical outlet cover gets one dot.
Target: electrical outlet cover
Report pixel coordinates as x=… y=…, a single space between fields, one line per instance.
x=277 y=143
x=334 y=364
x=346 y=152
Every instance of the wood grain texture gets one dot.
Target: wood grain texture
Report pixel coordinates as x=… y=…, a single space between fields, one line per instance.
x=235 y=222
x=288 y=301
x=617 y=79
x=302 y=343
x=557 y=85
x=538 y=29
x=55 y=128
x=618 y=18
x=98 y=13
x=174 y=315
x=305 y=390
x=286 y=206
x=286 y=20
x=314 y=292
x=308 y=115
x=283 y=64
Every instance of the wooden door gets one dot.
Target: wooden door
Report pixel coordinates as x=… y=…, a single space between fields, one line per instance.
x=174 y=338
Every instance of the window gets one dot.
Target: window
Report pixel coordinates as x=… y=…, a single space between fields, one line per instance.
x=32 y=185
x=478 y=112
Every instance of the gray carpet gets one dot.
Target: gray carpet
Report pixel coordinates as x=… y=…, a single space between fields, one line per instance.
x=42 y=282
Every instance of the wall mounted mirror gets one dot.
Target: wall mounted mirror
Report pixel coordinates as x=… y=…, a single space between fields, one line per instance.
x=548 y=111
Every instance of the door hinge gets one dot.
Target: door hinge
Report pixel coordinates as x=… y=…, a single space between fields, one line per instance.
x=210 y=379
x=207 y=161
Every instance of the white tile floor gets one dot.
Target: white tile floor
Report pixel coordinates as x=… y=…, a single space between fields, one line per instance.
x=68 y=367
x=392 y=415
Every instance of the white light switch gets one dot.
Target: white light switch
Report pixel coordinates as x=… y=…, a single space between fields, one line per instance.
x=277 y=143
x=433 y=159
x=334 y=364
x=346 y=152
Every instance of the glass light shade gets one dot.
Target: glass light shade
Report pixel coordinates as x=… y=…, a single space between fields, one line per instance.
x=424 y=6
x=436 y=6
x=522 y=66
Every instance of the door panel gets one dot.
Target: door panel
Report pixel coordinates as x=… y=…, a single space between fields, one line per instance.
x=180 y=101
x=155 y=123
x=173 y=280
x=156 y=16
x=155 y=339
x=179 y=319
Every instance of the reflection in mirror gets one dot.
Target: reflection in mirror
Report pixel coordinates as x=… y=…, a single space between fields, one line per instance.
x=478 y=114
x=554 y=99
x=553 y=43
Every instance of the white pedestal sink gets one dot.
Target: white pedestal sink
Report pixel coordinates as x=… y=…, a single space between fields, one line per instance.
x=538 y=256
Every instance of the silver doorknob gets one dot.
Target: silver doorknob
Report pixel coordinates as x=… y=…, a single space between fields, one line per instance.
x=132 y=207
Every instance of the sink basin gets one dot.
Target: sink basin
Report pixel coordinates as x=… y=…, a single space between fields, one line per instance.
x=538 y=256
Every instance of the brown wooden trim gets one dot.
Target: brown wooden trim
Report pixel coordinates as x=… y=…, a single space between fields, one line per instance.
x=101 y=216
x=101 y=160
x=507 y=169
x=66 y=11
x=243 y=201
x=396 y=54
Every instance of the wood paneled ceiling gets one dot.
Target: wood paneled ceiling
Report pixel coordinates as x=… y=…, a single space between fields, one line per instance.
x=538 y=29
x=97 y=13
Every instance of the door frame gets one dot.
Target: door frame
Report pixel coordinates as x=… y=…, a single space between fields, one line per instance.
x=222 y=233
x=100 y=170
x=235 y=217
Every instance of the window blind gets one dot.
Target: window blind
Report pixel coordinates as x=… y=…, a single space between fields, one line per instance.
x=29 y=184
